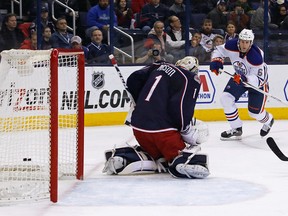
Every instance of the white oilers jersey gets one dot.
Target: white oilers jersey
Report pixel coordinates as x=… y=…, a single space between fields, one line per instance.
x=250 y=64
x=207 y=41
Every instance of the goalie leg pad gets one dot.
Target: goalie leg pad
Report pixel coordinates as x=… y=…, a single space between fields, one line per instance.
x=184 y=167
x=128 y=160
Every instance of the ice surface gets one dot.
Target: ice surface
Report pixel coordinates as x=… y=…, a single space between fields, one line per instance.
x=246 y=179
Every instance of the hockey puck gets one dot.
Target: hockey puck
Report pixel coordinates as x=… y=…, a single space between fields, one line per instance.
x=27 y=159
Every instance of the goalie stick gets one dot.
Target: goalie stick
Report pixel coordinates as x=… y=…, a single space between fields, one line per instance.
x=133 y=104
x=256 y=88
x=274 y=147
x=114 y=63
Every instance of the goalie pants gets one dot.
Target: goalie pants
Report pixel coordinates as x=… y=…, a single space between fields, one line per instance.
x=161 y=144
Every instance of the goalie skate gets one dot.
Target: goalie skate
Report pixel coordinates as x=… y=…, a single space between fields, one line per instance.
x=233 y=134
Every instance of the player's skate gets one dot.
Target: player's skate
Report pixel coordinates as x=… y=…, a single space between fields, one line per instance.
x=266 y=128
x=233 y=134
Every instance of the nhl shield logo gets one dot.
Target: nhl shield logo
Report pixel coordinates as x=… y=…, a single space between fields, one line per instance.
x=98 y=80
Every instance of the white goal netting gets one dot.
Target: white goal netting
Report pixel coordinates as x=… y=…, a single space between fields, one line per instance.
x=26 y=123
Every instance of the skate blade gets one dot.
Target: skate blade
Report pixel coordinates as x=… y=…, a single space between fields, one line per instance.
x=233 y=138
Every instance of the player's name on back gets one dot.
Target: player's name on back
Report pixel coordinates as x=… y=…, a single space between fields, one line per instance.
x=167 y=69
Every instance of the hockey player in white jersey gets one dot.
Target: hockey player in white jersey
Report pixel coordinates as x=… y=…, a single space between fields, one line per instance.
x=247 y=61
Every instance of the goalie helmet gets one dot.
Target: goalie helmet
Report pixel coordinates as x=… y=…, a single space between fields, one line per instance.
x=189 y=63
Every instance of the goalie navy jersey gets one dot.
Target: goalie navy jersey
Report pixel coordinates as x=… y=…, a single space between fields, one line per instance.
x=165 y=97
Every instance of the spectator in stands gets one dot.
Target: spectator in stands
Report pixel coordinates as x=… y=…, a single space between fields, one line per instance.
x=197 y=50
x=207 y=35
x=239 y=17
x=219 y=15
x=152 y=55
x=99 y=16
x=45 y=21
x=175 y=38
x=245 y=5
x=11 y=36
x=200 y=6
x=61 y=38
x=218 y=40
x=168 y=3
x=31 y=42
x=157 y=35
x=98 y=51
x=274 y=7
x=279 y=17
x=152 y=12
x=284 y=24
x=46 y=38
x=137 y=5
x=123 y=13
x=230 y=4
x=257 y=19
x=61 y=11
x=30 y=7
x=76 y=43
x=230 y=31
x=178 y=9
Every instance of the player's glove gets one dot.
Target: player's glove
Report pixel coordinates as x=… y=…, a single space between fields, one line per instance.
x=216 y=64
x=239 y=77
x=190 y=135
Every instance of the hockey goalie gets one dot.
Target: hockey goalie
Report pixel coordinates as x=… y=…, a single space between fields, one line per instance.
x=168 y=137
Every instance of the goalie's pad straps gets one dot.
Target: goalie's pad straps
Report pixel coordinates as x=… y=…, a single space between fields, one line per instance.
x=139 y=167
x=113 y=165
x=162 y=165
x=197 y=167
x=195 y=149
x=133 y=160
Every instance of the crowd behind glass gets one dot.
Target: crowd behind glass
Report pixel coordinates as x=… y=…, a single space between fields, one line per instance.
x=158 y=28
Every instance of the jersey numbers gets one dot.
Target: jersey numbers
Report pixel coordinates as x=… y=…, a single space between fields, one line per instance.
x=195 y=92
x=157 y=80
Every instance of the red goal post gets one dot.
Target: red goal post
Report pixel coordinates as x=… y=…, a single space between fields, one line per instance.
x=41 y=122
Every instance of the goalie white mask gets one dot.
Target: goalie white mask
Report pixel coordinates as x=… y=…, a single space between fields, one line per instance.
x=189 y=63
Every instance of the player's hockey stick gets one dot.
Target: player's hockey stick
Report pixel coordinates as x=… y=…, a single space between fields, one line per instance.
x=114 y=63
x=257 y=89
x=273 y=146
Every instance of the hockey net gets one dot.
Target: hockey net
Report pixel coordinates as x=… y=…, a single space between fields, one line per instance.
x=41 y=122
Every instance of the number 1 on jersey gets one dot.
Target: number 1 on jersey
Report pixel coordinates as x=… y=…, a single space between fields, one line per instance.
x=153 y=87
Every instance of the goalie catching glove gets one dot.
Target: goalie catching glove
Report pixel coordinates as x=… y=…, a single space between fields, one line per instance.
x=195 y=133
